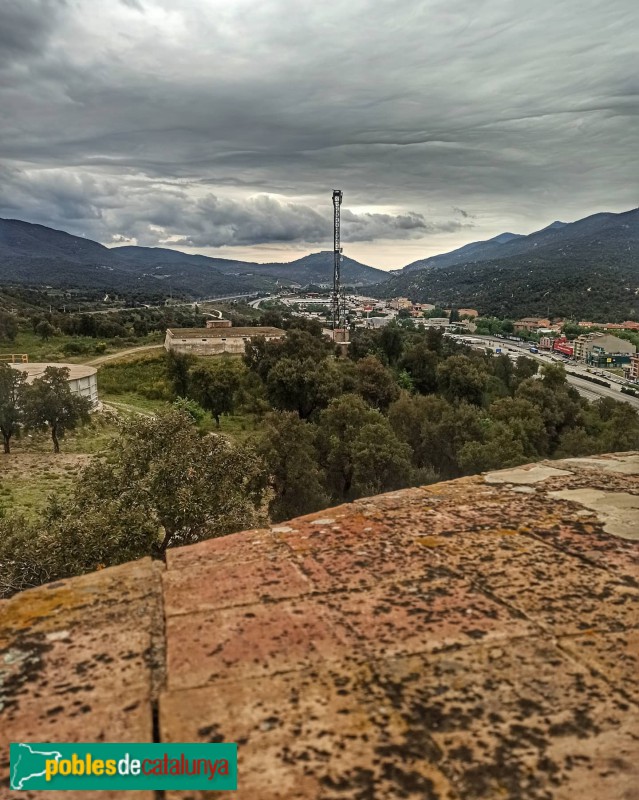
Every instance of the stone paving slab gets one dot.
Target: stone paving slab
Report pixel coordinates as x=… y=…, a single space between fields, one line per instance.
x=250 y=641
x=615 y=656
x=501 y=718
x=424 y=615
x=243 y=547
x=354 y=755
x=79 y=659
x=225 y=585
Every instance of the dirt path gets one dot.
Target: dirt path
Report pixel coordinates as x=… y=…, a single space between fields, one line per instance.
x=126 y=407
x=122 y=354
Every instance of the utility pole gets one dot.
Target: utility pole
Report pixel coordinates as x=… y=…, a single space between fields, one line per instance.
x=336 y=300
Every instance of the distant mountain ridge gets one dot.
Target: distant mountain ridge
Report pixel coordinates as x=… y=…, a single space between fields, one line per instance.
x=468 y=252
x=587 y=269
x=32 y=254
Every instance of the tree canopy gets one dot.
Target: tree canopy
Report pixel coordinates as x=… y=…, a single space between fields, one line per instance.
x=48 y=402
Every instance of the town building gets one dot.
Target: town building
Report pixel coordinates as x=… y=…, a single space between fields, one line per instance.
x=468 y=312
x=628 y=325
x=603 y=349
x=531 y=324
x=434 y=322
x=400 y=303
x=463 y=325
x=82 y=380
x=218 y=323
x=563 y=346
x=633 y=368
x=214 y=341
x=378 y=322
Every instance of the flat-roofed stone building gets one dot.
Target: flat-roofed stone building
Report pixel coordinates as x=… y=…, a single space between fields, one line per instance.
x=214 y=341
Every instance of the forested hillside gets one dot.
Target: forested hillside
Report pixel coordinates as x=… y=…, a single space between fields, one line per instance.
x=589 y=270
x=34 y=255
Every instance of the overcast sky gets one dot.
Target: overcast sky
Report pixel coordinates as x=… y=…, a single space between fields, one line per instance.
x=222 y=126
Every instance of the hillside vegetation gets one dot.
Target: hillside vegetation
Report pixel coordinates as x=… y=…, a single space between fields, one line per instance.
x=406 y=408
x=586 y=270
x=34 y=255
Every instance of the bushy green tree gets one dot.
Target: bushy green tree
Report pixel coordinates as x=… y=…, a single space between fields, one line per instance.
x=214 y=385
x=191 y=486
x=407 y=417
x=435 y=340
x=460 y=378
x=380 y=461
x=45 y=330
x=261 y=356
x=178 y=366
x=190 y=407
x=12 y=385
x=364 y=342
x=376 y=383
x=288 y=449
x=499 y=449
x=525 y=368
x=359 y=450
x=420 y=361
x=391 y=342
x=160 y=484
x=48 y=402
x=303 y=385
x=559 y=404
x=525 y=421
x=445 y=432
x=621 y=430
x=8 y=326
x=271 y=318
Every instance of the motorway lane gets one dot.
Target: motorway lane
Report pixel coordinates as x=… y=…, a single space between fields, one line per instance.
x=583 y=386
x=589 y=390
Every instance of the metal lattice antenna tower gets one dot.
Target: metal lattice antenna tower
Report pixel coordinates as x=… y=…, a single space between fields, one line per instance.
x=337 y=303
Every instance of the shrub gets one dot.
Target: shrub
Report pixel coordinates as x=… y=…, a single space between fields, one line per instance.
x=75 y=348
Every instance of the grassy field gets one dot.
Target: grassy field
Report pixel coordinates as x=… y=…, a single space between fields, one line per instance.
x=54 y=348
x=89 y=439
x=33 y=472
x=28 y=479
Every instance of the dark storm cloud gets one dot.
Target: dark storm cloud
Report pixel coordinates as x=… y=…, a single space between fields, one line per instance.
x=152 y=212
x=215 y=123
x=25 y=26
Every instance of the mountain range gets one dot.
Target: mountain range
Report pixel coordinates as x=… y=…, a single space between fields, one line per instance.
x=588 y=269
x=35 y=255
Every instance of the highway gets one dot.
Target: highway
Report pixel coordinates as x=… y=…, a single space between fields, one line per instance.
x=173 y=305
x=591 y=391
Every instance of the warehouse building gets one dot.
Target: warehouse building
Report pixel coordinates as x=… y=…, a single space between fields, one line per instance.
x=214 y=341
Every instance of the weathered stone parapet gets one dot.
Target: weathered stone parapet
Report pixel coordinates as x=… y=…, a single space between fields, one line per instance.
x=472 y=639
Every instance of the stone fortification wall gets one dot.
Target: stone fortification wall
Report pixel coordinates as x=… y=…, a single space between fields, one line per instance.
x=476 y=639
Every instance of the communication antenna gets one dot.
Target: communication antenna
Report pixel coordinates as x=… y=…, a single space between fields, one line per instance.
x=337 y=300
